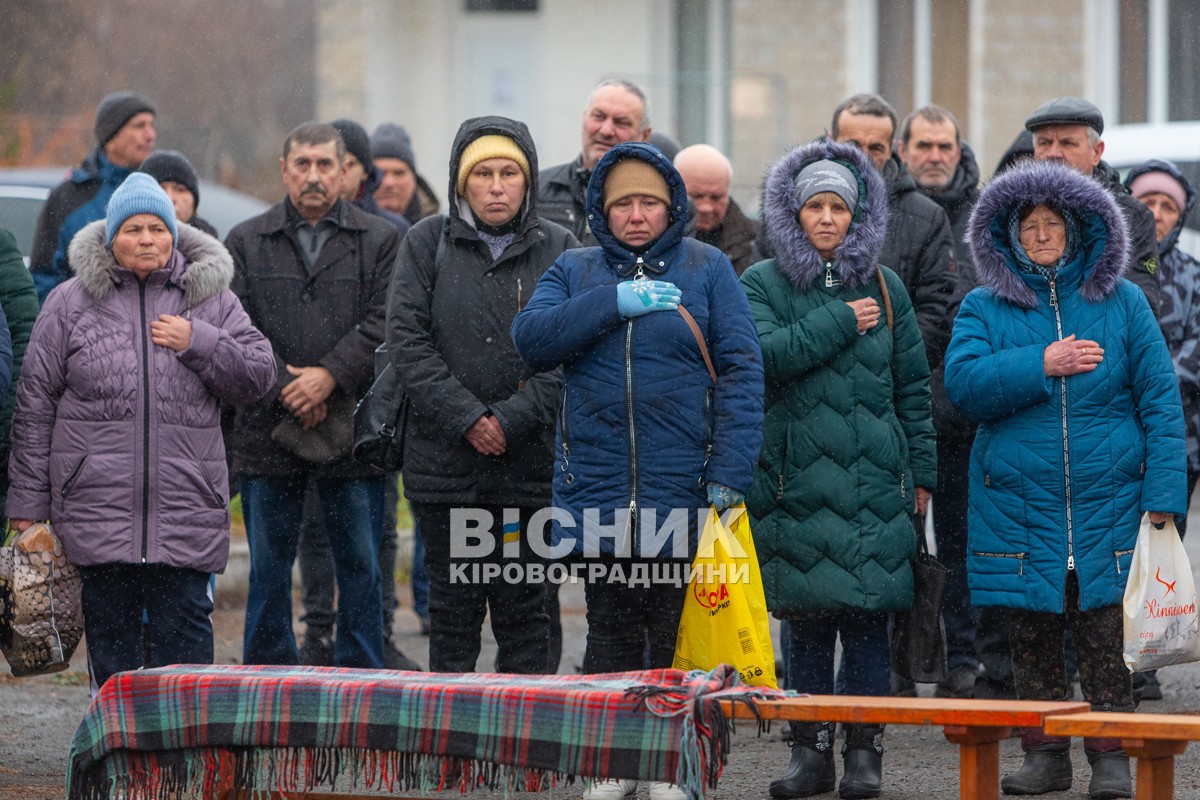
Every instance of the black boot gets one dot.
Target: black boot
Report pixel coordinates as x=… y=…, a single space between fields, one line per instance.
x=811 y=770
x=862 y=756
x=1110 y=775
x=1047 y=766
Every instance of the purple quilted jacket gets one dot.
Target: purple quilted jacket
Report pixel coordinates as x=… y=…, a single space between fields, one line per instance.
x=116 y=440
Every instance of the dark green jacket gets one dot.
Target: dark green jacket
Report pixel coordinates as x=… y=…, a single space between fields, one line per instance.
x=848 y=432
x=18 y=300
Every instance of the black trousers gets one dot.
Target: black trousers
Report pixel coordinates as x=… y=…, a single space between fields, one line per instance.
x=457 y=607
x=631 y=627
x=176 y=602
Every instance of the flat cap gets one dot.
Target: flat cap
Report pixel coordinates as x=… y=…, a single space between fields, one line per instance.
x=1066 y=111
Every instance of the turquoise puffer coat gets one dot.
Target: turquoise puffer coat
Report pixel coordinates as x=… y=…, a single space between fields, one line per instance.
x=1062 y=469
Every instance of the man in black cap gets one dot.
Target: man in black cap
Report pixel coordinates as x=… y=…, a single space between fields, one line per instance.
x=176 y=175
x=125 y=135
x=361 y=177
x=401 y=189
x=1068 y=130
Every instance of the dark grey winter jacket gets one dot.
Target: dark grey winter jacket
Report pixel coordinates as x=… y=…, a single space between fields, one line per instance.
x=331 y=316
x=448 y=337
x=1143 y=241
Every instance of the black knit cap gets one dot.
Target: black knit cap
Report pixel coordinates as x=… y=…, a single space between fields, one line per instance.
x=171 y=165
x=391 y=141
x=358 y=143
x=1066 y=111
x=115 y=110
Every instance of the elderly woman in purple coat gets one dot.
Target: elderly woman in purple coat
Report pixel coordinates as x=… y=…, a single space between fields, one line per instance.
x=116 y=438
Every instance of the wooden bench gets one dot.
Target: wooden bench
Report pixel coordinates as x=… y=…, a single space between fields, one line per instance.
x=1153 y=739
x=976 y=726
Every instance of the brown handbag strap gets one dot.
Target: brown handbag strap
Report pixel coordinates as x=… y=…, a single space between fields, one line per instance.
x=691 y=323
x=887 y=298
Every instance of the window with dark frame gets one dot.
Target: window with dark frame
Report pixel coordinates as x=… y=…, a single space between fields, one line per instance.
x=502 y=5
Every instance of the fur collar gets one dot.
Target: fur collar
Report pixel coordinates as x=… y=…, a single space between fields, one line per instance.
x=200 y=264
x=1031 y=183
x=857 y=256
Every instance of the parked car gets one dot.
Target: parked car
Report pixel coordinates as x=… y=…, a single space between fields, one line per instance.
x=1129 y=146
x=23 y=192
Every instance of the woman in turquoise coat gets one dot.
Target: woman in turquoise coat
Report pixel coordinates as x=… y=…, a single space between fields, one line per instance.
x=848 y=444
x=1081 y=432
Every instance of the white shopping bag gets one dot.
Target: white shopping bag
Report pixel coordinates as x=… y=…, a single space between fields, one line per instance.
x=1161 y=626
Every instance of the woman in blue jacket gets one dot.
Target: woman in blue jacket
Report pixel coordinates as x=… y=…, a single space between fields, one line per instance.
x=1081 y=432
x=646 y=438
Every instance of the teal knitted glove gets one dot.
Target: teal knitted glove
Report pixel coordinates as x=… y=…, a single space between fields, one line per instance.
x=722 y=497
x=635 y=298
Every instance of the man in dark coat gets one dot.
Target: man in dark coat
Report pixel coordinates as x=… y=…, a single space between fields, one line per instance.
x=312 y=272
x=919 y=245
x=362 y=177
x=1068 y=129
x=707 y=174
x=480 y=430
x=401 y=190
x=616 y=112
x=944 y=169
x=125 y=135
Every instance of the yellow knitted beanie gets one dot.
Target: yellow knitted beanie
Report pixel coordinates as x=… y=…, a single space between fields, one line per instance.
x=491 y=146
x=631 y=176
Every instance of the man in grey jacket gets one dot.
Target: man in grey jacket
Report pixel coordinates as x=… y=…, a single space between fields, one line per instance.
x=312 y=272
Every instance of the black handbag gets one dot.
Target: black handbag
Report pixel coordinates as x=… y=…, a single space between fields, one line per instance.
x=918 y=648
x=379 y=422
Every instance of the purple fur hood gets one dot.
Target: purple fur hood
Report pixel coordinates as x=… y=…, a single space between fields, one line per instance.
x=1103 y=230
x=857 y=256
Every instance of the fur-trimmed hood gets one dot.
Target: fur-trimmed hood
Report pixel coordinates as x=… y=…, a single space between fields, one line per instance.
x=1102 y=253
x=199 y=264
x=857 y=256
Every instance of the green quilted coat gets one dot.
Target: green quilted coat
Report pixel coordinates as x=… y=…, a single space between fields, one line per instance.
x=848 y=432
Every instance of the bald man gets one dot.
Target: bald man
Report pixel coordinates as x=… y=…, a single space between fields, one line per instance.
x=707 y=174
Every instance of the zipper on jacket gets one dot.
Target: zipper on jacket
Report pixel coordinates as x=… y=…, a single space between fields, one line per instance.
x=69 y=483
x=632 y=426
x=1020 y=557
x=564 y=430
x=1066 y=450
x=145 y=424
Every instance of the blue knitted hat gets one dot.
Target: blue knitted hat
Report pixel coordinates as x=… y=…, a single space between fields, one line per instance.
x=139 y=194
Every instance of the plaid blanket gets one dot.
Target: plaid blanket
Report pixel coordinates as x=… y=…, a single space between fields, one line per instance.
x=195 y=731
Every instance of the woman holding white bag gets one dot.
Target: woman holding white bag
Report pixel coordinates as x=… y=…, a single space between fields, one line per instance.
x=1062 y=362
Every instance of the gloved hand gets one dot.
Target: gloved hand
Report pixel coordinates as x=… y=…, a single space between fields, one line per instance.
x=635 y=298
x=722 y=497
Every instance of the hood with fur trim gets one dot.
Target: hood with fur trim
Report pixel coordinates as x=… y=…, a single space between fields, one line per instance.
x=857 y=256
x=1105 y=238
x=199 y=264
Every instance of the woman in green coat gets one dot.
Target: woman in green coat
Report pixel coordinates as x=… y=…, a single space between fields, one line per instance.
x=848 y=444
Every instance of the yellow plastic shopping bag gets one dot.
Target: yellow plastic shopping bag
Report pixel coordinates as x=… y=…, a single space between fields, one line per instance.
x=724 y=617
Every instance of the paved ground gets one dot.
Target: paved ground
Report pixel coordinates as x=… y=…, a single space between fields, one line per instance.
x=39 y=715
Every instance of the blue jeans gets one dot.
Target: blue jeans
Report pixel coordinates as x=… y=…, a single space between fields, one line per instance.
x=865 y=642
x=353 y=510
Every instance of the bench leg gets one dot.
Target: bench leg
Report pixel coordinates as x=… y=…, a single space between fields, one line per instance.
x=978 y=760
x=1155 y=766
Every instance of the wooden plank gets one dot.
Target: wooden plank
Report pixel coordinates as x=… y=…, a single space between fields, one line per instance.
x=907 y=710
x=1122 y=725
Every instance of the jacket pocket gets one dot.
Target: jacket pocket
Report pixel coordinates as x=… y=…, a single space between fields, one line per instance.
x=73 y=478
x=1001 y=563
x=214 y=494
x=1123 y=559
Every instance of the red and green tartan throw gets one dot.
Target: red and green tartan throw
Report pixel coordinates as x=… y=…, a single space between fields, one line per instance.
x=200 y=731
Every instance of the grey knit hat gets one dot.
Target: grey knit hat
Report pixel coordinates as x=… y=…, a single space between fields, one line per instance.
x=391 y=141
x=827 y=176
x=115 y=110
x=358 y=144
x=171 y=165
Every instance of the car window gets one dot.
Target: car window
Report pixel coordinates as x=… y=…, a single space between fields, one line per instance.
x=19 y=215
